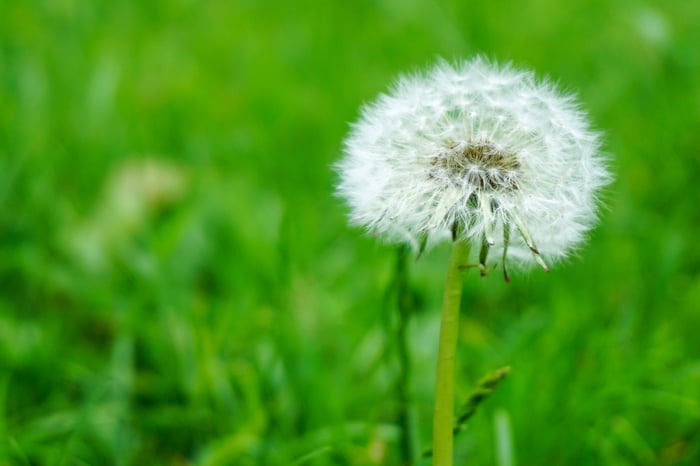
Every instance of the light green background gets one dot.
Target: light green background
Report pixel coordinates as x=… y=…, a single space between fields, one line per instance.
x=178 y=284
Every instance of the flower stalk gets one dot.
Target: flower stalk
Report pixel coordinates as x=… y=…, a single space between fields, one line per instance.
x=443 y=419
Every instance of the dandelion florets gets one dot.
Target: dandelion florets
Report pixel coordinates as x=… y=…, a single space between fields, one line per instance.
x=476 y=151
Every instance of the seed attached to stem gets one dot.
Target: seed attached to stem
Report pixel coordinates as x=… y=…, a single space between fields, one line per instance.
x=486 y=211
x=506 y=242
x=483 y=255
x=528 y=240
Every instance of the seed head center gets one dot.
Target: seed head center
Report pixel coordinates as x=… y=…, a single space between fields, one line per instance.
x=479 y=164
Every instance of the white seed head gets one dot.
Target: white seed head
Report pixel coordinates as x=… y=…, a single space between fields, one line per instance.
x=475 y=149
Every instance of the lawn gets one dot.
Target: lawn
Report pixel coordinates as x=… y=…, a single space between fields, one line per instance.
x=179 y=284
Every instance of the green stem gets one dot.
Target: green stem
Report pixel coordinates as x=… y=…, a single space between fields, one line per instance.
x=443 y=420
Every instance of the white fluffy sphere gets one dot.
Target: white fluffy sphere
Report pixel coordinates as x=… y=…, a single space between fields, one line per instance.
x=480 y=149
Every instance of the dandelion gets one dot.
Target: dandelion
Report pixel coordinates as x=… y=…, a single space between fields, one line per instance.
x=486 y=155
x=476 y=151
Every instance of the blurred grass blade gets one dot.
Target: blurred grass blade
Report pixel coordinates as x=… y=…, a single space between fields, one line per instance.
x=504 y=439
x=311 y=455
x=484 y=388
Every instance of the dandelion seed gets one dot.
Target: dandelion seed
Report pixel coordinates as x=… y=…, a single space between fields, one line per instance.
x=481 y=146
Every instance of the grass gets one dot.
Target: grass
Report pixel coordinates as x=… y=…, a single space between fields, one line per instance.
x=178 y=284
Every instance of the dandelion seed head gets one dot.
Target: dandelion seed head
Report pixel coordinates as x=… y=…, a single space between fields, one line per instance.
x=480 y=146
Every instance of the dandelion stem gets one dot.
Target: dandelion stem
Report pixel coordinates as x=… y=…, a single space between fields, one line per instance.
x=443 y=420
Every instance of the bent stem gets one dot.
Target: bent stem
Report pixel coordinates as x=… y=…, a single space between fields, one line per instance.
x=443 y=418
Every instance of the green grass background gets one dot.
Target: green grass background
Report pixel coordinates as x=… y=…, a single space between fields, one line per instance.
x=179 y=286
